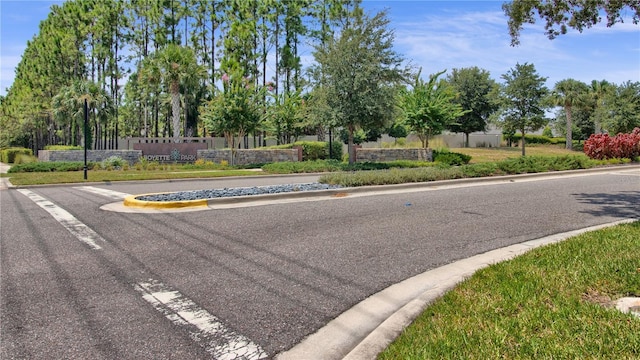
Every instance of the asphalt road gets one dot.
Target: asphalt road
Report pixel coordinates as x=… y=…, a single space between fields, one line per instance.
x=79 y=282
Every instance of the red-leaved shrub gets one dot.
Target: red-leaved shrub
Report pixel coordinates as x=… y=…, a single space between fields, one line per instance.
x=603 y=146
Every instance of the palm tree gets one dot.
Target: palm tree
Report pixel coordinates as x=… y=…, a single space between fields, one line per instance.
x=176 y=65
x=598 y=90
x=569 y=93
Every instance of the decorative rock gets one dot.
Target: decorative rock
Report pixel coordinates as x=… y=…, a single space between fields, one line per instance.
x=229 y=192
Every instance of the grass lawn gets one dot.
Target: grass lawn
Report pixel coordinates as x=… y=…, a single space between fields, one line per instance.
x=550 y=303
x=36 y=178
x=479 y=155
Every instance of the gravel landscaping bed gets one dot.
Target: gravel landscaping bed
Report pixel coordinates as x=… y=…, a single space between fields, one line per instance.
x=229 y=192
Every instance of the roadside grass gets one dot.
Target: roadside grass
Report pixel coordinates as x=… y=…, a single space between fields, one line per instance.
x=480 y=155
x=61 y=177
x=553 y=302
x=484 y=162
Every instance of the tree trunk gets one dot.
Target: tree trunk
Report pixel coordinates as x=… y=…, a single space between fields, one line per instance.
x=523 y=141
x=350 y=147
x=569 y=129
x=175 y=110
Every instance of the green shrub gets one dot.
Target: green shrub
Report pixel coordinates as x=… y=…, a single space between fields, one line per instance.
x=538 y=139
x=314 y=150
x=113 y=162
x=8 y=155
x=302 y=167
x=521 y=165
x=63 y=147
x=450 y=158
x=49 y=166
x=24 y=159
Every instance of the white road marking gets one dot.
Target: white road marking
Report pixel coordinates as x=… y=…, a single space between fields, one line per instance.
x=220 y=342
x=75 y=227
x=111 y=194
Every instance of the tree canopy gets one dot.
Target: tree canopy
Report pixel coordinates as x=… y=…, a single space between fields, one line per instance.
x=360 y=73
x=474 y=89
x=522 y=100
x=560 y=15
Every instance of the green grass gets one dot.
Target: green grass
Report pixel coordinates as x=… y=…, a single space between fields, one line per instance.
x=484 y=162
x=32 y=178
x=550 y=303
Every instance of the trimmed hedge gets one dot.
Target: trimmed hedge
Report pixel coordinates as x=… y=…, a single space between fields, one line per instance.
x=8 y=155
x=521 y=165
x=536 y=139
x=450 y=158
x=63 y=147
x=314 y=150
x=49 y=166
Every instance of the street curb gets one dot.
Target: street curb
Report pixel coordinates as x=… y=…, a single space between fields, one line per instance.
x=370 y=326
x=131 y=201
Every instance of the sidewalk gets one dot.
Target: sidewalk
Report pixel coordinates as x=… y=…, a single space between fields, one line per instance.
x=4 y=182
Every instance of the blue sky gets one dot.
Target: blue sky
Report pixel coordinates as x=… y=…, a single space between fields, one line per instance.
x=433 y=35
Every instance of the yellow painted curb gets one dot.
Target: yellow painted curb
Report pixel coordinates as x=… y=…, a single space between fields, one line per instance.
x=131 y=201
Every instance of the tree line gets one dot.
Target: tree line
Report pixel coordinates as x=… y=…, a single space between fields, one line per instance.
x=234 y=68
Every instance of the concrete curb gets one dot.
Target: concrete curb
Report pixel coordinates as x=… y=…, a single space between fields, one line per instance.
x=345 y=192
x=369 y=327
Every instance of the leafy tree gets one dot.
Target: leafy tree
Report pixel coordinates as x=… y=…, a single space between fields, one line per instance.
x=474 y=88
x=429 y=107
x=562 y=14
x=522 y=101
x=569 y=93
x=286 y=117
x=235 y=109
x=360 y=69
x=598 y=91
x=621 y=110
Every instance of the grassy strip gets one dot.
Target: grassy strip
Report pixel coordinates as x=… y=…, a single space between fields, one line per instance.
x=520 y=165
x=551 y=303
x=117 y=175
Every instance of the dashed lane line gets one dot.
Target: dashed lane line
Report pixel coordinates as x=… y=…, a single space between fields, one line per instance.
x=221 y=342
x=111 y=194
x=81 y=231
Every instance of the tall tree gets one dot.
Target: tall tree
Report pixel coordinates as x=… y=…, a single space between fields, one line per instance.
x=175 y=64
x=474 y=88
x=569 y=93
x=598 y=91
x=361 y=71
x=559 y=15
x=522 y=100
x=621 y=110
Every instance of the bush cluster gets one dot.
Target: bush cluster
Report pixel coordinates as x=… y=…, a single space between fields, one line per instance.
x=333 y=165
x=521 y=165
x=48 y=166
x=302 y=167
x=315 y=150
x=63 y=147
x=603 y=146
x=9 y=155
x=114 y=163
x=537 y=139
x=447 y=157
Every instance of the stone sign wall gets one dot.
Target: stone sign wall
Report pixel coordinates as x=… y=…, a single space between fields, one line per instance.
x=170 y=152
x=382 y=155
x=131 y=156
x=251 y=156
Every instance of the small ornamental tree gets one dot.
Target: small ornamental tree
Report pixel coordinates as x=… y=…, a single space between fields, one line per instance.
x=429 y=107
x=235 y=110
